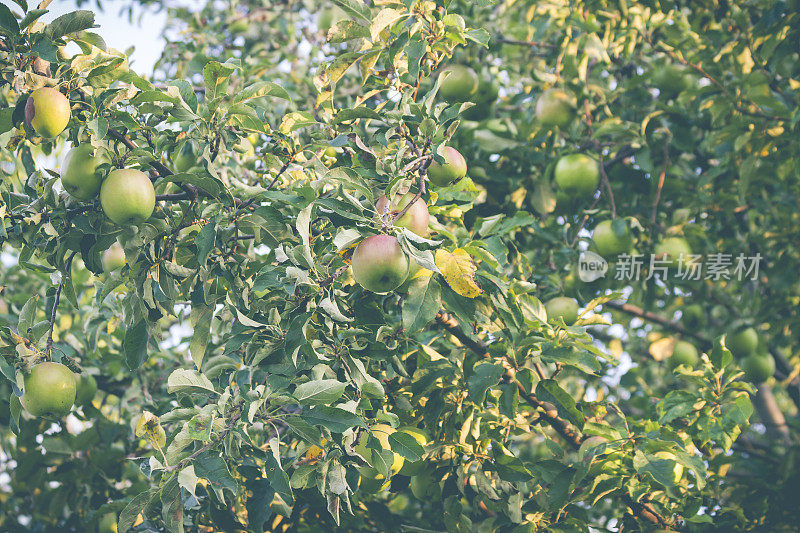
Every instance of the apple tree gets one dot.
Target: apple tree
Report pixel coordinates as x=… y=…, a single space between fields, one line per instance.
x=402 y=265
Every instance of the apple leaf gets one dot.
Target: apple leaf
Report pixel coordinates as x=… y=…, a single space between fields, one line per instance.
x=459 y=271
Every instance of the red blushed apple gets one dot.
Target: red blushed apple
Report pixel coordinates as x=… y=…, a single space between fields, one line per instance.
x=379 y=265
x=414 y=219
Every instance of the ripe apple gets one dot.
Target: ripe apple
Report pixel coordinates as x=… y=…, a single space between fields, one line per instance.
x=415 y=219
x=49 y=390
x=683 y=353
x=554 y=108
x=561 y=306
x=453 y=168
x=608 y=242
x=379 y=265
x=577 y=175
x=674 y=250
x=79 y=174
x=421 y=436
x=185 y=159
x=677 y=469
x=127 y=196
x=113 y=258
x=107 y=523
x=47 y=112
x=758 y=368
x=743 y=342
x=457 y=83
x=86 y=388
x=380 y=432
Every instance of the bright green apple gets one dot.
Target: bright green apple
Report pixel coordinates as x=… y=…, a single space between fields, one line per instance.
x=561 y=306
x=49 y=390
x=758 y=368
x=577 y=175
x=683 y=353
x=127 y=196
x=608 y=242
x=86 y=388
x=674 y=250
x=453 y=168
x=79 y=174
x=457 y=83
x=743 y=342
x=113 y=258
x=554 y=108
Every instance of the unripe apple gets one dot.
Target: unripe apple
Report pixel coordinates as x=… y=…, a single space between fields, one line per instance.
x=609 y=243
x=483 y=98
x=47 y=112
x=107 y=523
x=561 y=306
x=453 y=168
x=127 y=196
x=554 y=108
x=425 y=488
x=379 y=265
x=742 y=343
x=693 y=316
x=185 y=158
x=86 y=388
x=683 y=353
x=79 y=174
x=577 y=175
x=49 y=390
x=457 y=83
x=113 y=258
x=758 y=368
x=674 y=250
x=415 y=219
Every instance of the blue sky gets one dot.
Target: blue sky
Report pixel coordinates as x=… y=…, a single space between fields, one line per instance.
x=143 y=32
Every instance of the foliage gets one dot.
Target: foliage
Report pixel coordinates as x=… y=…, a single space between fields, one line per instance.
x=239 y=365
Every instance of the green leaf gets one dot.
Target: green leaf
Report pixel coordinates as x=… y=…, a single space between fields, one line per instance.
x=131 y=512
x=70 y=23
x=8 y=22
x=134 y=345
x=335 y=419
x=485 y=375
x=215 y=77
x=211 y=467
x=260 y=90
x=548 y=390
x=356 y=113
x=200 y=319
x=27 y=316
x=406 y=445
x=385 y=17
x=423 y=302
x=479 y=36
x=719 y=355
x=189 y=381
x=321 y=391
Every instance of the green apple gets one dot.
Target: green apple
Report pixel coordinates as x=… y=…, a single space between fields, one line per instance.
x=671 y=80
x=453 y=168
x=127 y=196
x=554 y=108
x=758 y=368
x=415 y=219
x=107 y=523
x=47 y=111
x=674 y=250
x=424 y=487
x=379 y=264
x=457 y=83
x=561 y=306
x=49 y=390
x=577 y=175
x=683 y=353
x=483 y=98
x=608 y=242
x=79 y=174
x=185 y=159
x=743 y=342
x=86 y=388
x=113 y=258
x=693 y=316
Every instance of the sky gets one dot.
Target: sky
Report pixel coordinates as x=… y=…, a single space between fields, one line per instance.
x=143 y=32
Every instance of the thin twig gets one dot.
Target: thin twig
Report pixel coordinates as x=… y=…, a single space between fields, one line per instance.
x=64 y=276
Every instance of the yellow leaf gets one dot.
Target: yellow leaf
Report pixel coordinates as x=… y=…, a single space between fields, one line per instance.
x=459 y=271
x=149 y=428
x=662 y=348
